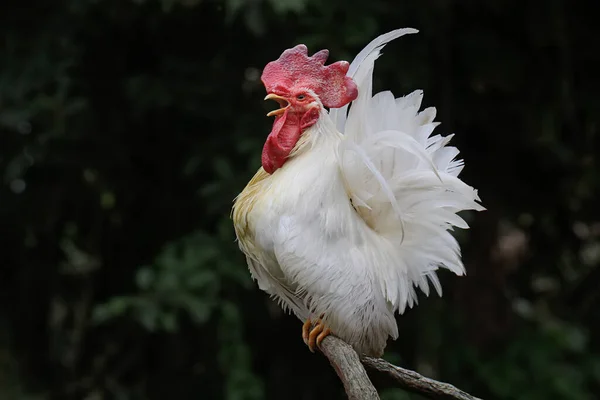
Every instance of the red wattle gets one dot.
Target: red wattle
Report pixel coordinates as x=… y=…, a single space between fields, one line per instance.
x=281 y=141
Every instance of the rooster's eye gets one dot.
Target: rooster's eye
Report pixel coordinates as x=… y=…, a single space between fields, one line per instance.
x=300 y=97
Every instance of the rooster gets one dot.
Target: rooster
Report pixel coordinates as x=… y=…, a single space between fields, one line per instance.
x=351 y=211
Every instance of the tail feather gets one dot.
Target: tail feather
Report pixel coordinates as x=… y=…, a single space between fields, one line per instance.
x=362 y=61
x=403 y=181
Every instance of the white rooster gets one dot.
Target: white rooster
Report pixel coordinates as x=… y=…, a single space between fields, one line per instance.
x=351 y=211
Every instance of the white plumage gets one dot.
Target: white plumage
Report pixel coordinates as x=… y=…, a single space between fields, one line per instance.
x=359 y=215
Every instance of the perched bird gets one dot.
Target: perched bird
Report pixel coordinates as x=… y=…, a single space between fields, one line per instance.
x=350 y=212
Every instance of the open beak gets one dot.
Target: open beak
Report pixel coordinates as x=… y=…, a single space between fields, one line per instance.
x=283 y=104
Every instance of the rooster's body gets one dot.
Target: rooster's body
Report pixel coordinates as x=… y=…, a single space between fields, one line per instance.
x=354 y=211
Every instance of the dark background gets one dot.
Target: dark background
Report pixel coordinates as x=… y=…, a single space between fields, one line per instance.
x=127 y=127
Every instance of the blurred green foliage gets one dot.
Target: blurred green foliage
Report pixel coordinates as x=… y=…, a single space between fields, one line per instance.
x=128 y=127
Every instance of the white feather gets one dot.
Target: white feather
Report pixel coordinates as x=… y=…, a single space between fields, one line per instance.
x=339 y=115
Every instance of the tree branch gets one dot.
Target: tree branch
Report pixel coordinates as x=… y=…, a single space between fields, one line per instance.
x=351 y=372
x=358 y=386
x=417 y=383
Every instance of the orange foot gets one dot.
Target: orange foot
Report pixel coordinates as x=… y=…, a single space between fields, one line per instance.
x=314 y=335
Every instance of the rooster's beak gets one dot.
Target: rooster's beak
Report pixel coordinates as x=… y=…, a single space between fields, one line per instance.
x=283 y=103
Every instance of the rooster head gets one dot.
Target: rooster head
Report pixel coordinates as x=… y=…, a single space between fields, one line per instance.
x=302 y=86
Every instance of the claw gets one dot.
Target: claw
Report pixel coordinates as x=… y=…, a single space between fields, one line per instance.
x=312 y=337
x=306 y=330
x=326 y=332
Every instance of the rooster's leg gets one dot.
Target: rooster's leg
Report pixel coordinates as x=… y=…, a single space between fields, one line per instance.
x=313 y=336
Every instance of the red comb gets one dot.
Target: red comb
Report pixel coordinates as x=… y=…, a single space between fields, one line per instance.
x=295 y=70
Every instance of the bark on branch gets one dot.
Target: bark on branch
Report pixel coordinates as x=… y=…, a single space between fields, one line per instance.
x=358 y=386
x=350 y=370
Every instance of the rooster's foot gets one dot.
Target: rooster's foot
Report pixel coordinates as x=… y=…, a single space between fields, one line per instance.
x=313 y=336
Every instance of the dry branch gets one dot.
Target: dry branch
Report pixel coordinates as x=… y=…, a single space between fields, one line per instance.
x=350 y=370
x=358 y=386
